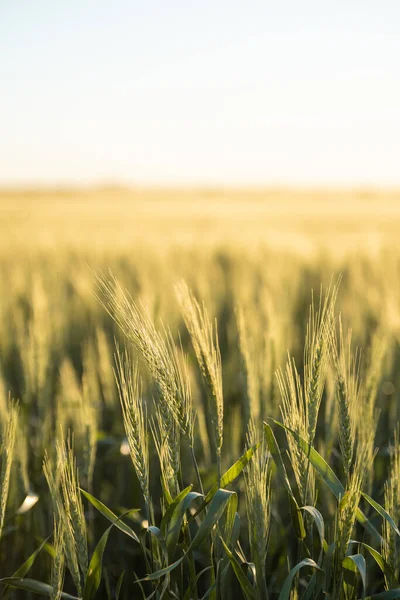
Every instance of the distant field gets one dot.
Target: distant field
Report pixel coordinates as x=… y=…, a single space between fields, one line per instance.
x=302 y=220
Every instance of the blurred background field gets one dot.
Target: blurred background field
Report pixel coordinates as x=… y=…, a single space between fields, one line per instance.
x=304 y=220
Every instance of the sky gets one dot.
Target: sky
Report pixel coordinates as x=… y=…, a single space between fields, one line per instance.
x=211 y=92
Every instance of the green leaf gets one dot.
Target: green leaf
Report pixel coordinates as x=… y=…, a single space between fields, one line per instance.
x=176 y=520
x=158 y=574
x=230 y=475
x=296 y=515
x=274 y=449
x=314 y=586
x=287 y=586
x=230 y=532
x=320 y=465
x=320 y=525
x=327 y=565
x=138 y=581
x=231 y=521
x=363 y=520
x=354 y=563
x=47 y=547
x=381 y=511
x=36 y=587
x=171 y=507
x=24 y=568
x=235 y=531
x=119 y=585
x=93 y=578
x=211 y=592
x=156 y=533
x=389 y=595
x=327 y=474
x=216 y=510
x=309 y=591
x=297 y=518
x=247 y=589
x=193 y=584
x=108 y=514
x=382 y=564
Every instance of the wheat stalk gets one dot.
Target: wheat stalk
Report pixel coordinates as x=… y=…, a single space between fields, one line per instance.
x=347 y=510
x=58 y=563
x=204 y=338
x=7 y=451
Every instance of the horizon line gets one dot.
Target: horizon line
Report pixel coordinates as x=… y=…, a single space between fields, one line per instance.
x=104 y=185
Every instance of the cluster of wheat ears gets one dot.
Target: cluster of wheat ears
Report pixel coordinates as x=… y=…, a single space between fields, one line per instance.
x=191 y=537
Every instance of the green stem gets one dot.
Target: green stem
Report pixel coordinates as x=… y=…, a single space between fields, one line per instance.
x=219 y=466
x=196 y=468
x=192 y=566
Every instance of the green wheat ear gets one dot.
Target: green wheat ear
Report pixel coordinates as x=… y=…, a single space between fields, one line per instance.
x=166 y=442
x=204 y=336
x=347 y=366
x=348 y=509
x=58 y=562
x=258 y=505
x=392 y=504
x=316 y=353
x=53 y=468
x=72 y=499
x=63 y=480
x=135 y=418
x=301 y=400
x=6 y=455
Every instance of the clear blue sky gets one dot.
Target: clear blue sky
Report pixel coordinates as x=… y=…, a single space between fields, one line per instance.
x=209 y=92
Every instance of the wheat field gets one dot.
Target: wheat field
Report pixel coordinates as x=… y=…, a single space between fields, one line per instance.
x=200 y=393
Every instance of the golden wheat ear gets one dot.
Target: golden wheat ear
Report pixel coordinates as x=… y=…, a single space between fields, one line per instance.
x=258 y=504
x=301 y=400
x=72 y=499
x=58 y=562
x=54 y=468
x=157 y=349
x=347 y=368
x=316 y=352
x=134 y=413
x=204 y=336
x=166 y=442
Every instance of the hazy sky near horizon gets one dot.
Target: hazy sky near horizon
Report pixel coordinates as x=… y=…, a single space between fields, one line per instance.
x=212 y=92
